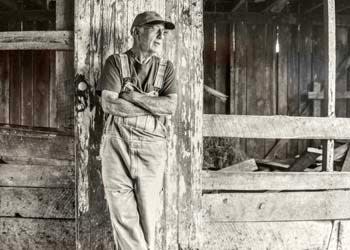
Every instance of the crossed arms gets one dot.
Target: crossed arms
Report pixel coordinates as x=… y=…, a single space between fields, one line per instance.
x=133 y=103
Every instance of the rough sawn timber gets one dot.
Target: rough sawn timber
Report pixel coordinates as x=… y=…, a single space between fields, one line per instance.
x=284 y=127
x=35 y=40
x=277 y=206
x=214 y=180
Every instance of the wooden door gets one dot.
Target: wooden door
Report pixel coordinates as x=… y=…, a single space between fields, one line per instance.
x=102 y=28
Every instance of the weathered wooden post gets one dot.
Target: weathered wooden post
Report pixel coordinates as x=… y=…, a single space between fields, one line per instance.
x=330 y=70
x=102 y=28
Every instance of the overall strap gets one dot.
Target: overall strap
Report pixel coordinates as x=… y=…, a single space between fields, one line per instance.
x=158 y=83
x=124 y=60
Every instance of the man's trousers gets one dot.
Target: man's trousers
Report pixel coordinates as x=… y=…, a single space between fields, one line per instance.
x=133 y=162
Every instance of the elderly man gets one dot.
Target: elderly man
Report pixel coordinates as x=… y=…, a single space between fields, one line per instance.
x=138 y=92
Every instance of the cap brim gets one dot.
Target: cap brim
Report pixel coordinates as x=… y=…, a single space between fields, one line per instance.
x=167 y=25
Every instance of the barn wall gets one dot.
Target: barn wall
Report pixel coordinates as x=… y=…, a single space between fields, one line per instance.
x=242 y=63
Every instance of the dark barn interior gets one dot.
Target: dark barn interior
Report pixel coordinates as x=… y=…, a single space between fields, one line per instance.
x=268 y=58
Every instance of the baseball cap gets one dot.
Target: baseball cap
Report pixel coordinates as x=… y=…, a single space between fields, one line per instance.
x=151 y=17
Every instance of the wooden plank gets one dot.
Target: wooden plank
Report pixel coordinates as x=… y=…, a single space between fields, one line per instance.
x=209 y=60
x=34 y=40
x=40 y=234
x=41 y=99
x=240 y=81
x=319 y=95
x=15 y=88
x=344 y=234
x=26 y=144
x=37 y=176
x=222 y=64
x=4 y=86
x=188 y=60
x=293 y=78
x=64 y=70
x=37 y=202
x=346 y=163
x=303 y=162
x=276 y=206
x=82 y=32
x=27 y=88
x=284 y=127
x=53 y=91
x=256 y=80
x=276 y=6
x=268 y=235
x=305 y=71
x=330 y=79
x=238 y=5
x=214 y=180
x=342 y=45
x=244 y=166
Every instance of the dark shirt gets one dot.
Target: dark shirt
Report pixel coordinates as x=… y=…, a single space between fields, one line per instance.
x=144 y=75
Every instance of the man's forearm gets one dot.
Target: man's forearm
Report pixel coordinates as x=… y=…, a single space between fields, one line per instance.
x=111 y=104
x=157 y=105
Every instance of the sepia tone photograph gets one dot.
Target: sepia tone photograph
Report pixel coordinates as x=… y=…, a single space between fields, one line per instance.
x=174 y=125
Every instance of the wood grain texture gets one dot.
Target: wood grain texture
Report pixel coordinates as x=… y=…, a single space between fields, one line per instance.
x=34 y=40
x=4 y=86
x=27 y=99
x=283 y=127
x=267 y=235
x=19 y=143
x=15 y=88
x=213 y=180
x=40 y=234
x=37 y=202
x=36 y=176
x=330 y=78
x=277 y=206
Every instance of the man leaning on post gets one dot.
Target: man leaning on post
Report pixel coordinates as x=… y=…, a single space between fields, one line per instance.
x=138 y=92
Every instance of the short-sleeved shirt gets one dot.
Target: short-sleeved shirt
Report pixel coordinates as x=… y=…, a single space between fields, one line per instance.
x=143 y=75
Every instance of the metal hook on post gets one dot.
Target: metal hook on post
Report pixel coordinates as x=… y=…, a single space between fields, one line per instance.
x=81 y=92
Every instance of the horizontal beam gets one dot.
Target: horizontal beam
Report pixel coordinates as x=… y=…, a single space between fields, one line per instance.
x=37 y=176
x=277 y=181
x=320 y=95
x=276 y=206
x=263 y=18
x=273 y=127
x=36 y=40
x=272 y=235
x=40 y=234
x=37 y=202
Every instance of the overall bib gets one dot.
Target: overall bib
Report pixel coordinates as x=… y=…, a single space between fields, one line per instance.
x=134 y=154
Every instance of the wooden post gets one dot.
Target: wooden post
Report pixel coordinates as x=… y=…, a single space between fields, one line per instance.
x=330 y=70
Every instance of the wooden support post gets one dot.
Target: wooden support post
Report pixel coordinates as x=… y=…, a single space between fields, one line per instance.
x=330 y=70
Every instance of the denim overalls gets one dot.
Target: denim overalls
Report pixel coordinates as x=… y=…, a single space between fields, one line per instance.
x=134 y=154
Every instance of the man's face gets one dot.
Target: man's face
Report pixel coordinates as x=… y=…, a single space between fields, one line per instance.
x=151 y=38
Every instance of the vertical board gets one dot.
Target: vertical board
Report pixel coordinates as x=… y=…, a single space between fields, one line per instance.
x=209 y=66
x=255 y=82
x=4 y=86
x=241 y=73
x=15 y=88
x=305 y=72
x=270 y=88
x=222 y=64
x=41 y=67
x=341 y=84
x=186 y=53
x=293 y=80
x=27 y=88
